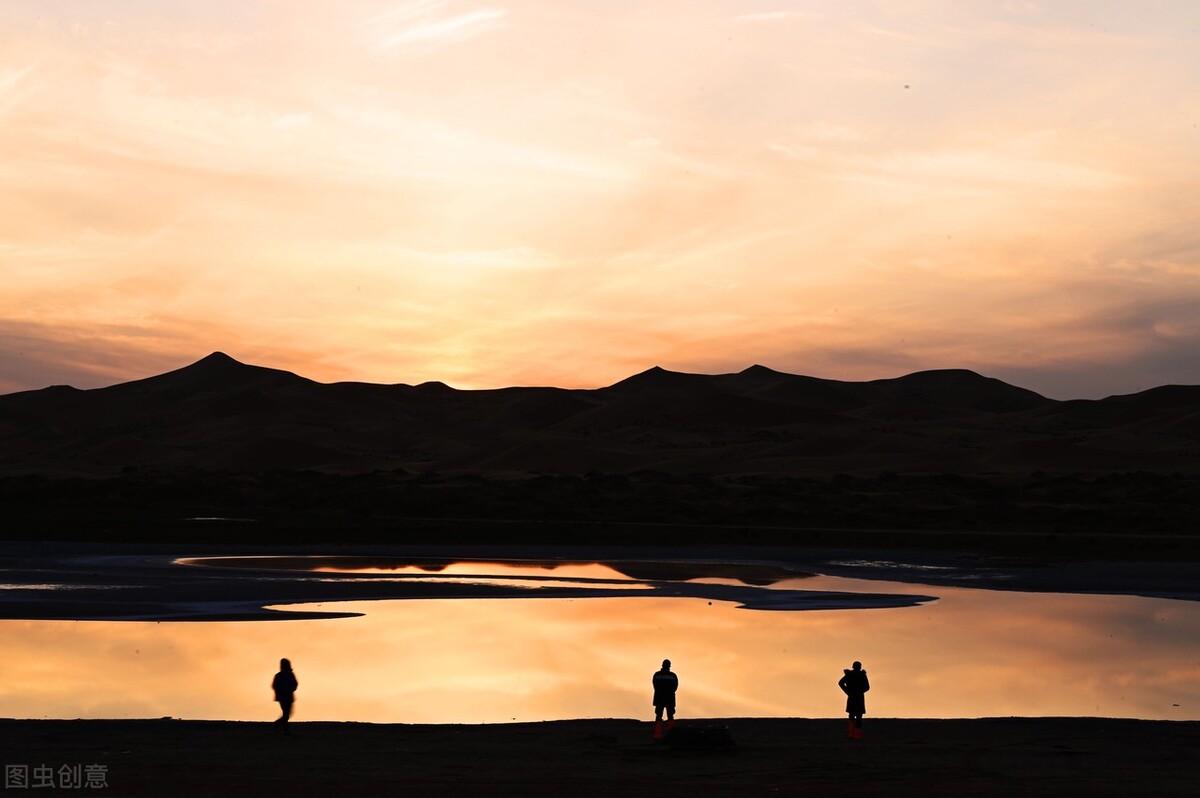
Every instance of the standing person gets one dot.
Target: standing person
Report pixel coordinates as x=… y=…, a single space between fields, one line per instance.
x=284 y=684
x=854 y=684
x=665 y=684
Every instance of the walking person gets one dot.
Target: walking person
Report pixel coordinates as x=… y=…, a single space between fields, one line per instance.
x=665 y=684
x=284 y=684
x=854 y=684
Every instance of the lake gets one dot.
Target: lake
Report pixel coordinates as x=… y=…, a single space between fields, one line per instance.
x=970 y=653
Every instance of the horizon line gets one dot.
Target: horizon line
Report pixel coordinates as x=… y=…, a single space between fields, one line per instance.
x=220 y=355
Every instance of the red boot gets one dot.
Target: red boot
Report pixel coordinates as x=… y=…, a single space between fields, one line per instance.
x=850 y=729
x=658 y=730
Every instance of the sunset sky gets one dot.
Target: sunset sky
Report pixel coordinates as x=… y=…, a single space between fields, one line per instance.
x=497 y=192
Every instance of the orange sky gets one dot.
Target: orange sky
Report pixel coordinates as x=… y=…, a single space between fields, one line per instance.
x=567 y=192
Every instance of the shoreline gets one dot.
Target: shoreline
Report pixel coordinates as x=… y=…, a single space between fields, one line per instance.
x=605 y=757
x=62 y=581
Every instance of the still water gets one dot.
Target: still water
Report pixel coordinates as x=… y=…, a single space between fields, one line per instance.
x=970 y=653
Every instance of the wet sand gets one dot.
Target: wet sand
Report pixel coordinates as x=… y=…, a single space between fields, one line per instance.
x=1001 y=757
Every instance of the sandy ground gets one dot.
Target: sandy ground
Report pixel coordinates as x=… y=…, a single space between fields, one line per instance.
x=572 y=759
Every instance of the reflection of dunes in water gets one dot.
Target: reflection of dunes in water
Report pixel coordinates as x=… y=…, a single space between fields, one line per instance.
x=488 y=568
x=796 y=583
x=750 y=585
x=745 y=573
x=508 y=581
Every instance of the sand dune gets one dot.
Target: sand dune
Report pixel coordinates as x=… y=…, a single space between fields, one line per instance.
x=219 y=413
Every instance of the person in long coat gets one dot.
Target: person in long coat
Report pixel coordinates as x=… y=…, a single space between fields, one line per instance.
x=854 y=684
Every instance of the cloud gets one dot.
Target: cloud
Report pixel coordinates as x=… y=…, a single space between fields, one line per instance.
x=767 y=16
x=599 y=189
x=446 y=29
x=995 y=167
x=35 y=355
x=293 y=120
x=14 y=85
x=1156 y=342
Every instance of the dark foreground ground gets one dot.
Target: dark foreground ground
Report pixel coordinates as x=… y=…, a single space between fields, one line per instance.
x=573 y=759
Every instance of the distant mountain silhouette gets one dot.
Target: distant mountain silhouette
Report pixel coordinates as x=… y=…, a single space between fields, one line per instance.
x=221 y=414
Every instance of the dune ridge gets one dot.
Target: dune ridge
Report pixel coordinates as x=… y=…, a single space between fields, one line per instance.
x=219 y=413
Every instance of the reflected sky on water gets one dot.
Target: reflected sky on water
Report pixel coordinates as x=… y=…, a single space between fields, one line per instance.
x=593 y=570
x=971 y=653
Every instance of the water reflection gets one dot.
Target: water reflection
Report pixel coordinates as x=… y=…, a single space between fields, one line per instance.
x=972 y=653
x=590 y=570
x=761 y=574
x=503 y=580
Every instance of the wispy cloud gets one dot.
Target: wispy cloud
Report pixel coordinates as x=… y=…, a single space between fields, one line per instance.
x=600 y=187
x=292 y=120
x=14 y=83
x=431 y=30
x=768 y=16
x=995 y=168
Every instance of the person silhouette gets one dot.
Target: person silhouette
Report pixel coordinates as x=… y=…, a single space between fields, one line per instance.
x=284 y=684
x=665 y=684
x=854 y=684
